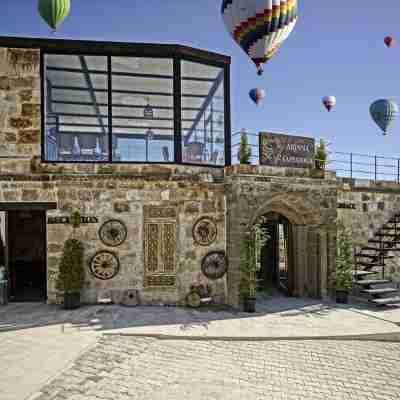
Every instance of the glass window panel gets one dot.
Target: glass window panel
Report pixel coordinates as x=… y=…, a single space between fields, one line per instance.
x=76 y=108
x=203 y=129
x=143 y=109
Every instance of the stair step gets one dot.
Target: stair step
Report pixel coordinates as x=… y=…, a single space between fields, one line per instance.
x=368 y=282
x=370 y=264
x=373 y=256
x=387 y=300
x=378 y=249
x=363 y=273
x=387 y=234
x=384 y=241
x=379 y=291
x=389 y=228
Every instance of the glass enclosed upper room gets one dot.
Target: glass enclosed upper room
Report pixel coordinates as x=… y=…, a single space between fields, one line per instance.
x=134 y=103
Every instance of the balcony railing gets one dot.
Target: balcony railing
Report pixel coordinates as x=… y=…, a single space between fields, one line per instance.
x=347 y=165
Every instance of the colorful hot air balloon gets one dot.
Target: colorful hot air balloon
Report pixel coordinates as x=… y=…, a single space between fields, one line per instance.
x=257 y=95
x=259 y=26
x=389 y=41
x=329 y=102
x=384 y=112
x=54 y=11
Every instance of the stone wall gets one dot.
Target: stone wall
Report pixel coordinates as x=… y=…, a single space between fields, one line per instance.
x=19 y=109
x=306 y=199
x=373 y=205
x=123 y=197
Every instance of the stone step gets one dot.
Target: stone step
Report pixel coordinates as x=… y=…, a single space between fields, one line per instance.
x=387 y=234
x=378 y=249
x=379 y=291
x=390 y=228
x=392 y=242
x=386 y=300
x=368 y=282
x=363 y=273
x=373 y=256
x=370 y=264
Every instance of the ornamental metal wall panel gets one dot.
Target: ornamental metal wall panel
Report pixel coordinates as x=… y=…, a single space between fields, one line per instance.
x=160 y=242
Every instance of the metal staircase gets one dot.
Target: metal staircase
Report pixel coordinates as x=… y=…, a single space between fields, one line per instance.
x=369 y=276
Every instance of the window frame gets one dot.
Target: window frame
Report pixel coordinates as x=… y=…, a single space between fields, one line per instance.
x=176 y=54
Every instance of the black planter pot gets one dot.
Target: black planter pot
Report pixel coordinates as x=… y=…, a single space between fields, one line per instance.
x=249 y=305
x=342 y=296
x=72 y=301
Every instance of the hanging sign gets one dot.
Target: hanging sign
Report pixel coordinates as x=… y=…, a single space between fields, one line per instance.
x=280 y=150
x=66 y=220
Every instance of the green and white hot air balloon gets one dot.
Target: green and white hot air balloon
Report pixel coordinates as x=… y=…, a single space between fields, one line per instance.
x=54 y=11
x=384 y=113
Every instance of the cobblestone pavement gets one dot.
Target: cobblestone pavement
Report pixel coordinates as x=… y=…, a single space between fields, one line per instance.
x=128 y=368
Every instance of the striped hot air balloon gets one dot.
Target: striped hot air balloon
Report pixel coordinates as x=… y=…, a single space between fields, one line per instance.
x=259 y=26
x=54 y=11
x=257 y=95
x=384 y=113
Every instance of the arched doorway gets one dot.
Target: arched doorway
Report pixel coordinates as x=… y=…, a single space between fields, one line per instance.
x=276 y=260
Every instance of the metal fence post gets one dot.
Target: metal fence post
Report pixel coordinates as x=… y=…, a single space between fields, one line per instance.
x=375 y=167
x=398 y=170
x=351 y=165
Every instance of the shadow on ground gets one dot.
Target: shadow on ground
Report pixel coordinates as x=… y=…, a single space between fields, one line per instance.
x=102 y=317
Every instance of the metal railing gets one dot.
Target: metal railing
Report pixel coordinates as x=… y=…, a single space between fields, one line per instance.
x=346 y=165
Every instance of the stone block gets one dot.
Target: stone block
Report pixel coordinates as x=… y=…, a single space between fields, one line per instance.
x=30 y=194
x=25 y=95
x=121 y=207
x=10 y=137
x=208 y=206
x=5 y=83
x=20 y=123
x=30 y=110
x=192 y=208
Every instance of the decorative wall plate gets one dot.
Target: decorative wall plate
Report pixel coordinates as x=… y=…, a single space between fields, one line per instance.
x=113 y=233
x=204 y=231
x=104 y=265
x=214 y=265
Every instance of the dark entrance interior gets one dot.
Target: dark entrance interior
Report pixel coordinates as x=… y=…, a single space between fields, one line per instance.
x=26 y=251
x=276 y=255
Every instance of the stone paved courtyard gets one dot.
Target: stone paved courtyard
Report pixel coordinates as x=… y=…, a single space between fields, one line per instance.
x=127 y=368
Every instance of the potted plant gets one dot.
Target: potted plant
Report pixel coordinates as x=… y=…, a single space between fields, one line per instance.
x=244 y=153
x=70 y=278
x=342 y=278
x=321 y=155
x=251 y=246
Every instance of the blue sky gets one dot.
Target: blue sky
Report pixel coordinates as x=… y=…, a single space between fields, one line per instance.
x=336 y=48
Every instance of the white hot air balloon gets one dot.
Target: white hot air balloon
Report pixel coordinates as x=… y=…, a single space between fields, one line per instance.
x=329 y=102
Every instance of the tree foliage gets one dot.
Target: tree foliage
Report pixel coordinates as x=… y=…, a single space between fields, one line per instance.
x=244 y=152
x=71 y=273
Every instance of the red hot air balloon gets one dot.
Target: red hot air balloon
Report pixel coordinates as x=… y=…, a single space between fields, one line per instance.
x=257 y=95
x=389 y=41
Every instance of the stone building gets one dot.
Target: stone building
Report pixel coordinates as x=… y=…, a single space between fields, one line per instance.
x=137 y=138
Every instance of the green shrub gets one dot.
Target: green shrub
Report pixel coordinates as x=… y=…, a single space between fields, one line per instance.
x=321 y=155
x=71 y=274
x=244 y=152
x=342 y=278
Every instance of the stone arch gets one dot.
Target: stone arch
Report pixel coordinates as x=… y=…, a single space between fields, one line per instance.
x=294 y=208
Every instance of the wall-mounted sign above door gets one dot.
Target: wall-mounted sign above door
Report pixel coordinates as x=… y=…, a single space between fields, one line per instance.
x=286 y=151
x=66 y=220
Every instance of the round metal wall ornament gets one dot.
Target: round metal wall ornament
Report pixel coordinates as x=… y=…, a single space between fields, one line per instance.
x=204 y=231
x=214 y=265
x=113 y=232
x=104 y=265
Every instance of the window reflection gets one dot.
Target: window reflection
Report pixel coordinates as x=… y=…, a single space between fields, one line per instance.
x=79 y=128
x=203 y=121
x=143 y=109
x=76 y=108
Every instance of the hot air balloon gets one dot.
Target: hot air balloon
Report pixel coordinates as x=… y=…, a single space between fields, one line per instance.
x=329 y=102
x=259 y=27
x=54 y=11
x=389 y=41
x=384 y=112
x=257 y=95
